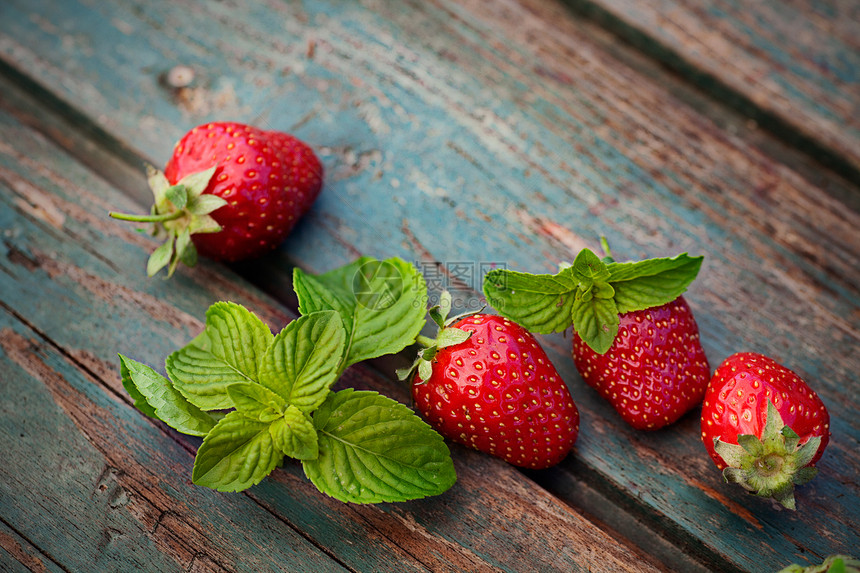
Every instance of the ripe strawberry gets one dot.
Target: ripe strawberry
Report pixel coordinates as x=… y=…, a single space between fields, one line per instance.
x=488 y=384
x=236 y=191
x=655 y=371
x=763 y=426
x=635 y=339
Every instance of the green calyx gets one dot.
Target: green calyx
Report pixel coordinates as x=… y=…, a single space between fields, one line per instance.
x=772 y=465
x=179 y=211
x=832 y=564
x=589 y=294
x=446 y=336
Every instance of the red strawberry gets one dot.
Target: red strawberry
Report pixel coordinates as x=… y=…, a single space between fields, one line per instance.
x=492 y=387
x=235 y=190
x=763 y=426
x=655 y=370
x=635 y=339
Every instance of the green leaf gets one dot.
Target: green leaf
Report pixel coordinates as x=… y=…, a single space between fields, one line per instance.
x=139 y=399
x=596 y=321
x=540 y=303
x=205 y=204
x=201 y=376
x=162 y=400
x=236 y=454
x=188 y=255
x=302 y=361
x=237 y=336
x=183 y=241
x=588 y=268
x=425 y=370
x=160 y=257
x=382 y=304
x=203 y=224
x=451 y=336
x=294 y=434
x=178 y=195
x=373 y=449
x=733 y=455
x=652 y=282
x=196 y=183
x=158 y=184
x=256 y=401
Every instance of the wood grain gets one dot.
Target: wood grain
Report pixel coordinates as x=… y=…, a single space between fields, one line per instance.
x=95 y=484
x=791 y=66
x=503 y=133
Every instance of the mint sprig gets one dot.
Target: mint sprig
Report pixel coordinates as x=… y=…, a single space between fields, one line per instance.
x=382 y=304
x=589 y=294
x=355 y=446
x=374 y=449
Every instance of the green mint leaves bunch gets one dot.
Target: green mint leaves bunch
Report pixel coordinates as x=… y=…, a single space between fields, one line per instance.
x=256 y=397
x=588 y=294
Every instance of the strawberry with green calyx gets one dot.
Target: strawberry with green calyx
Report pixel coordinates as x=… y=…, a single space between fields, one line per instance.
x=635 y=338
x=763 y=426
x=832 y=564
x=230 y=192
x=486 y=383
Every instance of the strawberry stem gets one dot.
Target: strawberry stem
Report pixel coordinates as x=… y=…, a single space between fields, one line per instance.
x=147 y=218
x=425 y=341
x=608 y=254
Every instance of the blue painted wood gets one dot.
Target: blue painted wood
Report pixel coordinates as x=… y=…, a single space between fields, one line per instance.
x=789 y=63
x=93 y=482
x=451 y=135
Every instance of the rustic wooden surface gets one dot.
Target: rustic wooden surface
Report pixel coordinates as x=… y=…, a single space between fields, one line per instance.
x=792 y=66
x=483 y=132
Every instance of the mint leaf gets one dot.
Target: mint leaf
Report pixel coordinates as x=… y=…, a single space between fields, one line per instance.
x=294 y=435
x=237 y=337
x=373 y=449
x=596 y=321
x=236 y=454
x=130 y=386
x=588 y=269
x=162 y=400
x=382 y=304
x=303 y=359
x=201 y=376
x=256 y=401
x=652 y=282
x=540 y=303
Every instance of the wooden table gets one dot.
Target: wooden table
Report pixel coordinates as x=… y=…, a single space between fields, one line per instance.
x=511 y=132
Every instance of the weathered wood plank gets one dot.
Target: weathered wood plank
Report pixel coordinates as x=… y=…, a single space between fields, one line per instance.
x=18 y=555
x=68 y=307
x=790 y=65
x=501 y=133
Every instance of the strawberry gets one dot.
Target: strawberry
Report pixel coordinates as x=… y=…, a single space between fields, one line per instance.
x=635 y=338
x=230 y=192
x=655 y=371
x=486 y=383
x=763 y=426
